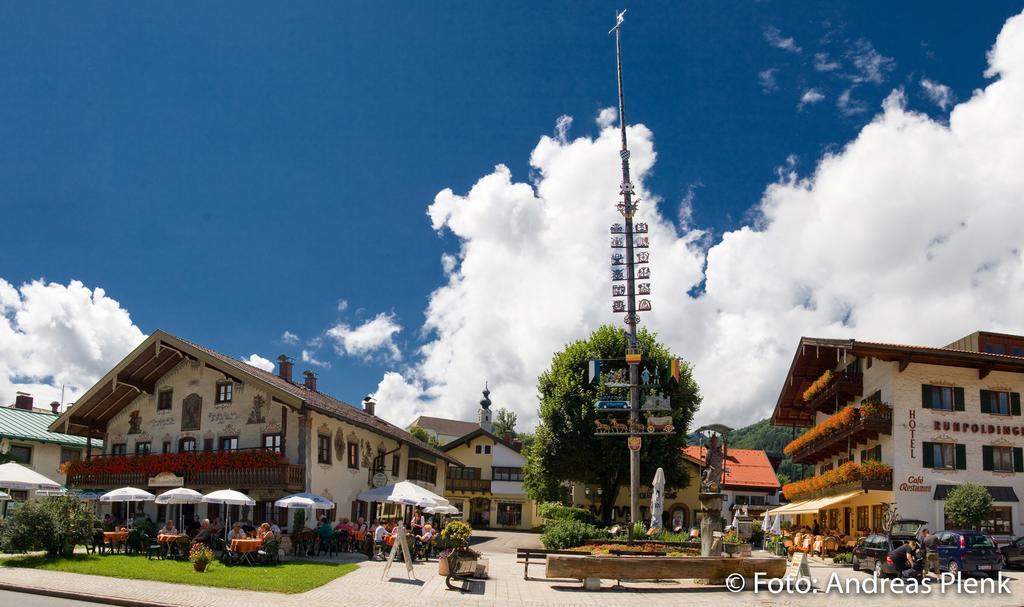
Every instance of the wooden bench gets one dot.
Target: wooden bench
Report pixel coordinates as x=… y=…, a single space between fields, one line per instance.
x=460 y=568
x=539 y=556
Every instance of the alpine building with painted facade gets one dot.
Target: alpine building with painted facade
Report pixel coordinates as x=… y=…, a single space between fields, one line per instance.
x=892 y=424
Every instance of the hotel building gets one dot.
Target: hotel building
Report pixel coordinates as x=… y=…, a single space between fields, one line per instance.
x=893 y=425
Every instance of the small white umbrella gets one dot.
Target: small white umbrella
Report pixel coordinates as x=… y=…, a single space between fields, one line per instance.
x=4 y=497
x=736 y=519
x=179 y=496
x=657 y=498
x=15 y=476
x=228 y=497
x=766 y=522
x=127 y=494
x=306 y=501
x=51 y=492
x=441 y=510
x=777 y=525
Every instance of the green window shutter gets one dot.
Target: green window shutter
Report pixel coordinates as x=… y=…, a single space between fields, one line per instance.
x=986 y=457
x=1018 y=459
x=863 y=455
x=958 y=399
x=1015 y=403
x=961 y=456
x=926 y=396
x=878 y=452
x=986 y=402
x=928 y=453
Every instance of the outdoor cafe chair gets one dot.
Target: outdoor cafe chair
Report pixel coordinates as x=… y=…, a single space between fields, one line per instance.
x=227 y=555
x=269 y=554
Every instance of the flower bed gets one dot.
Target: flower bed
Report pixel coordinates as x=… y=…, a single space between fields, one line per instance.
x=846 y=417
x=638 y=549
x=849 y=472
x=178 y=463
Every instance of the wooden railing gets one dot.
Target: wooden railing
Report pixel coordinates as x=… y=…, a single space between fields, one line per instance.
x=843 y=384
x=468 y=484
x=863 y=429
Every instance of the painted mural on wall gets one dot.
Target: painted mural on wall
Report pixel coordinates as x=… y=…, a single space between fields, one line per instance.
x=134 y=423
x=192 y=412
x=256 y=414
x=367 y=455
x=339 y=446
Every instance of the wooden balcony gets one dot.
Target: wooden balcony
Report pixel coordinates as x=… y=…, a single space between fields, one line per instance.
x=841 y=389
x=468 y=485
x=862 y=485
x=862 y=430
x=285 y=477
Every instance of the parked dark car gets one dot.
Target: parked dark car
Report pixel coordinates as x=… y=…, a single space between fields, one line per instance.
x=872 y=552
x=1013 y=553
x=969 y=552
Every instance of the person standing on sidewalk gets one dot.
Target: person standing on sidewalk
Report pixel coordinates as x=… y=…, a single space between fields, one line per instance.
x=931 y=546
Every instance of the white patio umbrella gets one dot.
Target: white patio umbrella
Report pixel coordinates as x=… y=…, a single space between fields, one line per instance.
x=736 y=519
x=404 y=492
x=51 y=492
x=127 y=494
x=228 y=497
x=657 y=498
x=441 y=510
x=305 y=500
x=766 y=527
x=15 y=476
x=4 y=497
x=179 y=496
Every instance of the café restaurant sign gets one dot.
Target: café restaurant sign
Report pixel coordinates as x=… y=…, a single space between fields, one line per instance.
x=166 y=479
x=915 y=484
x=975 y=428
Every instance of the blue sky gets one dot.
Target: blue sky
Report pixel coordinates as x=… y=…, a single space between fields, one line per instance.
x=231 y=171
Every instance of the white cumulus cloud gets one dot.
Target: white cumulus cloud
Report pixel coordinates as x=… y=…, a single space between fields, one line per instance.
x=260 y=363
x=766 y=80
x=309 y=357
x=774 y=37
x=289 y=338
x=375 y=336
x=939 y=94
x=909 y=233
x=53 y=334
x=810 y=97
x=607 y=117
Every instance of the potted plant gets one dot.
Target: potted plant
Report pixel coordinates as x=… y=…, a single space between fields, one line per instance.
x=201 y=556
x=456 y=540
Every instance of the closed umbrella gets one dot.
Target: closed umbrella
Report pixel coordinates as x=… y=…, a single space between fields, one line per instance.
x=766 y=528
x=228 y=497
x=657 y=498
x=736 y=519
x=777 y=525
x=15 y=476
x=179 y=496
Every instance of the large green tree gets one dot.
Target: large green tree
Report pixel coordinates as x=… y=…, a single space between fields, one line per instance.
x=968 y=505
x=506 y=422
x=565 y=448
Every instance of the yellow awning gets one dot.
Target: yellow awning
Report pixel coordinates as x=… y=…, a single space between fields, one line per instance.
x=812 y=506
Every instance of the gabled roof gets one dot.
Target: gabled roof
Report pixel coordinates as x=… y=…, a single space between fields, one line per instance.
x=161 y=351
x=33 y=426
x=743 y=467
x=816 y=355
x=447 y=427
x=466 y=438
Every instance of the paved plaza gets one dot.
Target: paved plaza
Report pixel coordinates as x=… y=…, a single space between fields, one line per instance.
x=505 y=588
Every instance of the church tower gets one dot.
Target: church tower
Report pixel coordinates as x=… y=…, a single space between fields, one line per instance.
x=483 y=416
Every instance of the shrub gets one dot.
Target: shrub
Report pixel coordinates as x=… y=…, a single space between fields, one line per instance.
x=298 y=520
x=968 y=505
x=561 y=534
x=842 y=558
x=456 y=534
x=54 y=524
x=756 y=534
x=551 y=511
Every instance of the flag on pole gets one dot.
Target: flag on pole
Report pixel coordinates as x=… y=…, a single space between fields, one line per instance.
x=595 y=370
x=675 y=369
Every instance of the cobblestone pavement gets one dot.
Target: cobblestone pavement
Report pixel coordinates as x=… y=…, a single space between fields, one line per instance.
x=505 y=588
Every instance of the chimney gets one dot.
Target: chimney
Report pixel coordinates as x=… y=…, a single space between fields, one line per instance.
x=517 y=445
x=310 y=378
x=284 y=370
x=23 y=400
x=369 y=405
x=508 y=438
x=55 y=407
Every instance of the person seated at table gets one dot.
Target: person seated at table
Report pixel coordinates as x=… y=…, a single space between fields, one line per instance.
x=217 y=526
x=274 y=528
x=205 y=534
x=361 y=526
x=380 y=535
x=264 y=533
x=108 y=523
x=168 y=529
x=324 y=531
x=237 y=533
x=424 y=539
x=193 y=525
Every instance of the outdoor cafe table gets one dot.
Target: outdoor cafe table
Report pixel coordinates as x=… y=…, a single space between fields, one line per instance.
x=168 y=538
x=246 y=547
x=115 y=537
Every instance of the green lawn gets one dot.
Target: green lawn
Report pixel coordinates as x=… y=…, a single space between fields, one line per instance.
x=290 y=577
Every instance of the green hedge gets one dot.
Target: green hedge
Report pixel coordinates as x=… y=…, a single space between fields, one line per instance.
x=551 y=511
x=560 y=534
